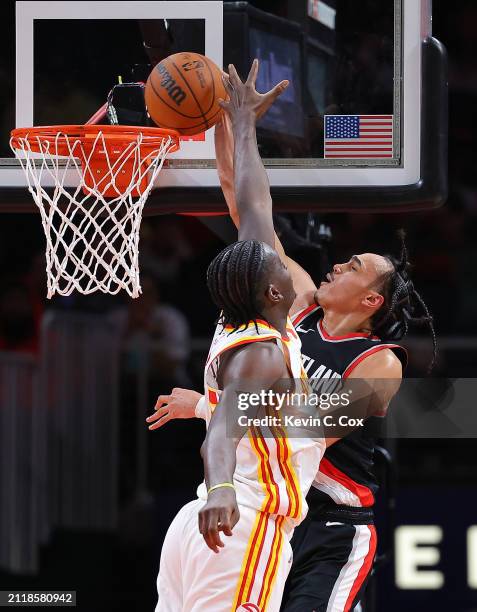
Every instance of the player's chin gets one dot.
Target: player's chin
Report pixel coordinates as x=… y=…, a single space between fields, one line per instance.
x=323 y=290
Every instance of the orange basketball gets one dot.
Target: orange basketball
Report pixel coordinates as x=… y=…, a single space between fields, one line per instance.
x=182 y=93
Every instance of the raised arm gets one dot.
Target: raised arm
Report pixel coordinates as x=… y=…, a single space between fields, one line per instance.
x=252 y=189
x=224 y=151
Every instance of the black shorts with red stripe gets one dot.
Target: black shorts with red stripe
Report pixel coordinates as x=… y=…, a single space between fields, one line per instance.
x=332 y=561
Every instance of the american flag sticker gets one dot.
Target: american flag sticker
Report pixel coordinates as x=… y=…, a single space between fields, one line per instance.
x=358 y=136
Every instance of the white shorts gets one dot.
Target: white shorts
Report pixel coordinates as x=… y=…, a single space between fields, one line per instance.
x=248 y=574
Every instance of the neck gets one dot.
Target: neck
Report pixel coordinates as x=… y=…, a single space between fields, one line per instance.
x=340 y=324
x=277 y=321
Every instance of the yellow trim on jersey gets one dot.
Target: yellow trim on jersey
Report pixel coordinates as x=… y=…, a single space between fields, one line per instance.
x=281 y=449
x=251 y=562
x=297 y=490
x=245 y=339
x=284 y=448
x=270 y=573
x=254 y=325
x=251 y=557
x=284 y=453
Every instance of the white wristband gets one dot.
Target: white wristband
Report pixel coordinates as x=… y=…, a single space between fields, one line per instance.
x=200 y=408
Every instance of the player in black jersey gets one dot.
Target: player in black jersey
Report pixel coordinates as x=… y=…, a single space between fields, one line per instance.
x=347 y=326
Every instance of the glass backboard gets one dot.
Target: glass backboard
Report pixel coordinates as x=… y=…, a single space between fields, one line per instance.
x=362 y=124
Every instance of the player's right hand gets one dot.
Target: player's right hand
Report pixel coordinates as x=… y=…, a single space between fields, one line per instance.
x=220 y=513
x=262 y=109
x=243 y=98
x=180 y=404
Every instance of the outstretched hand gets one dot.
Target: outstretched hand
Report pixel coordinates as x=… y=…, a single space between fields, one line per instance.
x=244 y=100
x=180 y=404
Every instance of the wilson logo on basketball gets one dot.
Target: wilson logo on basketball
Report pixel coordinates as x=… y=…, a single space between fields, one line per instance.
x=176 y=94
x=195 y=65
x=248 y=607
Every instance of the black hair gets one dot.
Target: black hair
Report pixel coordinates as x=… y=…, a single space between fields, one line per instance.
x=403 y=306
x=234 y=279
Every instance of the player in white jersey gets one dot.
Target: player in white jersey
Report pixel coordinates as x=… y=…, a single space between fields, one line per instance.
x=255 y=484
x=273 y=472
x=270 y=473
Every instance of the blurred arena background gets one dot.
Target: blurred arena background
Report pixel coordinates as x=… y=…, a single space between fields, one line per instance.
x=87 y=493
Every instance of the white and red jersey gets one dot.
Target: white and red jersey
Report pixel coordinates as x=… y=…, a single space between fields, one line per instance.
x=273 y=472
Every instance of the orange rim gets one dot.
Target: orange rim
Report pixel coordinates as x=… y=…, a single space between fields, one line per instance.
x=120 y=135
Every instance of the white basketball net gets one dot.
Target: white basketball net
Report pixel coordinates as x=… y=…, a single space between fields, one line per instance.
x=92 y=243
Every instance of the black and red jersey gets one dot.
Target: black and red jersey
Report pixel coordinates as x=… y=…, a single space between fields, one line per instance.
x=345 y=477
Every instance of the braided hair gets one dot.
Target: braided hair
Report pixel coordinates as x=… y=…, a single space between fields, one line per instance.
x=234 y=280
x=402 y=306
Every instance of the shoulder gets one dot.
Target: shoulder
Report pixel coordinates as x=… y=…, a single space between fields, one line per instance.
x=381 y=364
x=382 y=372
x=260 y=359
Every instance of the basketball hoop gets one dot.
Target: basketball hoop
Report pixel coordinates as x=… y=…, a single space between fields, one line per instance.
x=92 y=231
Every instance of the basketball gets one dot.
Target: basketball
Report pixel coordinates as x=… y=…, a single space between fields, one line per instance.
x=182 y=93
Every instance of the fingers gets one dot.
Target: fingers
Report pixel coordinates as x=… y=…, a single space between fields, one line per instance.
x=201 y=518
x=225 y=78
x=158 y=414
x=214 y=535
x=161 y=400
x=160 y=421
x=225 y=106
x=214 y=518
x=225 y=523
x=252 y=75
x=235 y=517
x=277 y=90
x=269 y=98
x=204 y=529
x=234 y=78
x=161 y=414
x=228 y=86
x=162 y=411
x=209 y=528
